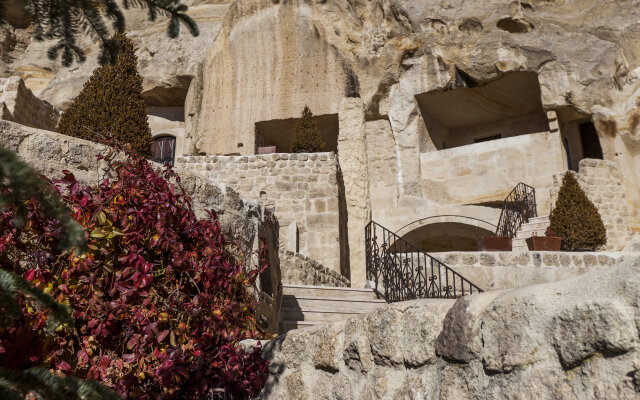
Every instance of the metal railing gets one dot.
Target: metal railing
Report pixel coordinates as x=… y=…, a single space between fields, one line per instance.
x=518 y=207
x=400 y=271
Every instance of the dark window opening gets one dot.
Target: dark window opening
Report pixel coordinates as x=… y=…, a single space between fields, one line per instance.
x=164 y=149
x=279 y=133
x=487 y=138
x=590 y=143
x=470 y=112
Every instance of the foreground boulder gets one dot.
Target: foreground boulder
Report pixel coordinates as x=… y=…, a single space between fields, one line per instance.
x=572 y=339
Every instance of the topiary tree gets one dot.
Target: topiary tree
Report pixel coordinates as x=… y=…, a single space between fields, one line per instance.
x=111 y=104
x=306 y=138
x=576 y=219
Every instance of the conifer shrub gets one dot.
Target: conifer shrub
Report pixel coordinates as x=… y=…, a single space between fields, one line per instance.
x=576 y=219
x=111 y=104
x=158 y=307
x=306 y=138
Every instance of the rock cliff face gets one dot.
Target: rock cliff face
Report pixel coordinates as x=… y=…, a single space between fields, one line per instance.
x=572 y=339
x=274 y=57
x=167 y=65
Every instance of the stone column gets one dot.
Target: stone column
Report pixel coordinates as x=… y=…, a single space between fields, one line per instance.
x=352 y=155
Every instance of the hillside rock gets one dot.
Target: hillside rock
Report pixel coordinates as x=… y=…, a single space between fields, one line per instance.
x=167 y=65
x=572 y=339
x=274 y=57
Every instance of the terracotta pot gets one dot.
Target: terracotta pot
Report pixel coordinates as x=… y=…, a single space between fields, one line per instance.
x=544 y=243
x=494 y=243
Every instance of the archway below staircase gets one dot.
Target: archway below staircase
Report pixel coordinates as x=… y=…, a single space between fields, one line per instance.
x=446 y=233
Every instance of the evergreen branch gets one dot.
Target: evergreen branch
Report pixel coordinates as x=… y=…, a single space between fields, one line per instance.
x=63 y=19
x=12 y=285
x=45 y=385
x=20 y=183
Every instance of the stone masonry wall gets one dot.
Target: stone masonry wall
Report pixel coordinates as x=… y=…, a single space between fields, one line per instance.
x=504 y=270
x=301 y=188
x=602 y=183
x=247 y=221
x=300 y=270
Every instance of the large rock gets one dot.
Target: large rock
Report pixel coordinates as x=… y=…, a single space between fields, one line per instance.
x=572 y=339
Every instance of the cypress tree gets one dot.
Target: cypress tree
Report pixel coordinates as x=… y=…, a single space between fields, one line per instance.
x=111 y=104
x=306 y=138
x=576 y=219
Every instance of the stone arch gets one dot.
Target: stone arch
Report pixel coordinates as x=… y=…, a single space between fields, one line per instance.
x=446 y=233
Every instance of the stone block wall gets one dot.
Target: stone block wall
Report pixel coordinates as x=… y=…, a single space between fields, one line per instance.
x=247 y=221
x=505 y=270
x=300 y=270
x=602 y=182
x=302 y=189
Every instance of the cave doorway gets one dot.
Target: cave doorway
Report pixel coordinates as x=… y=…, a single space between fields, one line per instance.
x=579 y=136
x=279 y=132
x=164 y=149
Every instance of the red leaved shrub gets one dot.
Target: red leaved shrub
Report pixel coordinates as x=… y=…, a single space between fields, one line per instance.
x=158 y=307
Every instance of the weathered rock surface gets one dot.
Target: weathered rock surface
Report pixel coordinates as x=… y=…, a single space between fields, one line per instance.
x=273 y=57
x=167 y=65
x=246 y=223
x=20 y=105
x=572 y=339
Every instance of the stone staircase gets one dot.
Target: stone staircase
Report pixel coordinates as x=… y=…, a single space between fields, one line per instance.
x=535 y=227
x=304 y=305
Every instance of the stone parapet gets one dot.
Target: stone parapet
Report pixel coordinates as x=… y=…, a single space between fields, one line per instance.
x=302 y=189
x=300 y=270
x=504 y=270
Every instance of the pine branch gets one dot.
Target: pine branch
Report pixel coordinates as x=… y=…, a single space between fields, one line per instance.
x=64 y=19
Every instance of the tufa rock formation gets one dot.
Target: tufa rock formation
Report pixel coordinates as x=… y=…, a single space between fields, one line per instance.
x=572 y=339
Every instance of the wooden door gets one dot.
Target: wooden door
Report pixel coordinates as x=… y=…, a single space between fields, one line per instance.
x=164 y=149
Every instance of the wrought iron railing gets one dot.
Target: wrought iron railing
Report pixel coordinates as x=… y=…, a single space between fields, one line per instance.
x=400 y=271
x=518 y=207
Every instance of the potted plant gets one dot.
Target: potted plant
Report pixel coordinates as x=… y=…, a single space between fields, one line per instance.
x=548 y=242
x=494 y=243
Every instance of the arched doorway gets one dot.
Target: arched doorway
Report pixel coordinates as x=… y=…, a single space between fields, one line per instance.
x=164 y=149
x=446 y=233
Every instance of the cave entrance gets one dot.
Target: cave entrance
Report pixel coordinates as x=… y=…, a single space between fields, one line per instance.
x=444 y=236
x=279 y=132
x=579 y=136
x=473 y=113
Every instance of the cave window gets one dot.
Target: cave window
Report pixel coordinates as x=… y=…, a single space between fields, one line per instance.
x=589 y=139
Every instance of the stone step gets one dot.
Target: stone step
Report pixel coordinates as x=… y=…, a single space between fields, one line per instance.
x=533 y=226
x=328 y=291
x=332 y=303
x=317 y=314
x=543 y=218
x=520 y=249
x=293 y=324
x=524 y=235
